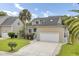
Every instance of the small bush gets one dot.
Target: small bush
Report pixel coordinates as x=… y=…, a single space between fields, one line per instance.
x=12 y=45
x=15 y=36
x=30 y=36
x=11 y=34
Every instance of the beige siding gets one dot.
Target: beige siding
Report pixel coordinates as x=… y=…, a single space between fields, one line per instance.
x=12 y=28
x=6 y=29
x=34 y=22
x=16 y=26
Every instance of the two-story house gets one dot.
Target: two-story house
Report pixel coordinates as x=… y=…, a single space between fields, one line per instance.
x=48 y=29
x=9 y=24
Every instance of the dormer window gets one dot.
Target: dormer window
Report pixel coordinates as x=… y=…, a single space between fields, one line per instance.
x=18 y=23
x=37 y=22
x=30 y=30
x=51 y=20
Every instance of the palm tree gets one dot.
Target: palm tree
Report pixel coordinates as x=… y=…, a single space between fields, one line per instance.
x=75 y=29
x=24 y=16
x=73 y=26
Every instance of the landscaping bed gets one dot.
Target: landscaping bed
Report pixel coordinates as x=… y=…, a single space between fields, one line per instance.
x=20 y=43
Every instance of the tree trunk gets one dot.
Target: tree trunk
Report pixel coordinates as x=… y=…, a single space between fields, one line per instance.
x=73 y=39
x=11 y=48
x=24 y=31
x=69 y=39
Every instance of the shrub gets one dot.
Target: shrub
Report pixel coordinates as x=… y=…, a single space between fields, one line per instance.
x=11 y=34
x=30 y=36
x=15 y=36
x=12 y=45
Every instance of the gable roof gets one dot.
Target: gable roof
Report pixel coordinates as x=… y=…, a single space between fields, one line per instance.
x=9 y=21
x=51 y=20
x=2 y=19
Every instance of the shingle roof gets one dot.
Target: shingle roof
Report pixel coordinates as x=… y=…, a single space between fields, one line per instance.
x=2 y=19
x=51 y=20
x=9 y=21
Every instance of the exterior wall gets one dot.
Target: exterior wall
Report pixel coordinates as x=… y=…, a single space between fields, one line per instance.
x=53 y=29
x=66 y=33
x=34 y=22
x=12 y=28
x=2 y=19
x=17 y=25
x=6 y=29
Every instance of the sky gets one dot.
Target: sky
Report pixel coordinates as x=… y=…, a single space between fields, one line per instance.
x=40 y=9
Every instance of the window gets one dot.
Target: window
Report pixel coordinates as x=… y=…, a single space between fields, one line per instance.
x=37 y=22
x=65 y=34
x=43 y=21
x=34 y=29
x=51 y=20
x=18 y=23
x=30 y=30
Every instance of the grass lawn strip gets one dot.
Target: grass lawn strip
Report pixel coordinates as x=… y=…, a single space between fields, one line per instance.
x=69 y=50
x=20 y=43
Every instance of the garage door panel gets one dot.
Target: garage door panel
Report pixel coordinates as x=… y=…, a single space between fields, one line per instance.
x=52 y=37
x=5 y=34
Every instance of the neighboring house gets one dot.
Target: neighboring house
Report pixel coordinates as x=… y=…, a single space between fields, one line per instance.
x=48 y=29
x=9 y=24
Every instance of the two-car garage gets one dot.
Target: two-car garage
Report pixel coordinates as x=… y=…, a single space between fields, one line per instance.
x=50 y=33
x=49 y=36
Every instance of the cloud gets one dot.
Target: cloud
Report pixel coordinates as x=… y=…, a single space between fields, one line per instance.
x=18 y=6
x=36 y=9
x=47 y=13
x=76 y=5
x=11 y=13
x=68 y=14
x=34 y=15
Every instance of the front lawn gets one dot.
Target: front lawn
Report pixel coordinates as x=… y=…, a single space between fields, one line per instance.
x=69 y=50
x=20 y=43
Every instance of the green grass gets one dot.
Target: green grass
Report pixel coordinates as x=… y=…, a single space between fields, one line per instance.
x=69 y=50
x=20 y=43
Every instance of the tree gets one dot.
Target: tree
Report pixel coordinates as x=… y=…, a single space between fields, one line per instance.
x=24 y=16
x=2 y=13
x=73 y=26
x=75 y=11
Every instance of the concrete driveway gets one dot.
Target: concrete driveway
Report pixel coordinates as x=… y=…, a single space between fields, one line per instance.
x=38 y=48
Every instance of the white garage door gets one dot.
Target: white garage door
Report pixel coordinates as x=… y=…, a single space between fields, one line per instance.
x=47 y=36
x=5 y=35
